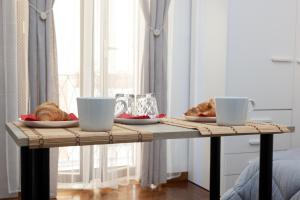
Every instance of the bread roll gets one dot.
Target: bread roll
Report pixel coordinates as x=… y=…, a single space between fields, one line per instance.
x=49 y=111
x=205 y=109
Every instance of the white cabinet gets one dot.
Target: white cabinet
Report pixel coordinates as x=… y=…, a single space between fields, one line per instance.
x=260 y=65
x=251 y=143
x=238 y=152
x=262 y=61
x=260 y=54
x=235 y=163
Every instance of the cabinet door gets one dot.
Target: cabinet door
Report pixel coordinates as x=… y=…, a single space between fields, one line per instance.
x=261 y=48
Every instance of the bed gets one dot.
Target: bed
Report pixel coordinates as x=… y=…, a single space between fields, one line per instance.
x=286 y=179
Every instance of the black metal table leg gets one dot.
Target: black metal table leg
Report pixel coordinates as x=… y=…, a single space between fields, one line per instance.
x=215 y=160
x=35 y=174
x=266 y=167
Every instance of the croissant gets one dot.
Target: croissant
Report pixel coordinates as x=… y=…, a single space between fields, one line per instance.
x=205 y=109
x=49 y=111
x=194 y=111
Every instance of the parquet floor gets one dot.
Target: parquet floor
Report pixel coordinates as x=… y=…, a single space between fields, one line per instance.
x=183 y=190
x=180 y=190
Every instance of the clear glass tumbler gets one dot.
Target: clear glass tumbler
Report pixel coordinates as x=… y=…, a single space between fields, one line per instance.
x=124 y=104
x=146 y=104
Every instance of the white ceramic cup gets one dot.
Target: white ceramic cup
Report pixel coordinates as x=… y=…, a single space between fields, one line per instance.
x=96 y=113
x=232 y=111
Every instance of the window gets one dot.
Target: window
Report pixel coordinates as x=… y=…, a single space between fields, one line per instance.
x=115 y=35
x=67 y=22
x=98 y=54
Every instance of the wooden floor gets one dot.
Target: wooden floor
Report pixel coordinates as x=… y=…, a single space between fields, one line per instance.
x=171 y=191
x=182 y=190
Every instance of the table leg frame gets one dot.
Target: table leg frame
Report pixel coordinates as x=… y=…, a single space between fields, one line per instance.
x=266 y=167
x=265 y=172
x=35 y=174
x=215 y=166
x=35 y=170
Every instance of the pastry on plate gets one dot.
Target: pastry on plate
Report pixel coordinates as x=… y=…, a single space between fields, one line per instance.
x=50 y=111
x=205 y=109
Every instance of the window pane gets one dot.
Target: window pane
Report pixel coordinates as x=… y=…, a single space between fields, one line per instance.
x=99 y=27
x=114 y=54
x=115 y=40
x=115 y=46
x=69 y=159
x=121 y=20
x=121 y=155
x=67 y=22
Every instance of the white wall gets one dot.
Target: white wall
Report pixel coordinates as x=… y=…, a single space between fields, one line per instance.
x=195 y=74
x=178 y=63
x=208 y=42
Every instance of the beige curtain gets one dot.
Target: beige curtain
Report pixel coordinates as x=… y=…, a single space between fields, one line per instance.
x=154 y=80
x=42 y=66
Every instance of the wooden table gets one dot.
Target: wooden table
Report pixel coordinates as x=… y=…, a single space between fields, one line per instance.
x=35 y=159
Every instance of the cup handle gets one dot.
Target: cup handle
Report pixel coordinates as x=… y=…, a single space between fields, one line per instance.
x=252 y=102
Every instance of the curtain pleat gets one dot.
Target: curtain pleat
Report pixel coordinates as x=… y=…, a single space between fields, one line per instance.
x=9 y=152
x=42 y=67
x=154 y=80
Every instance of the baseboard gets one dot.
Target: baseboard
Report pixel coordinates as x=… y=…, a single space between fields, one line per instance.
x=198 y=185
x=183 y=177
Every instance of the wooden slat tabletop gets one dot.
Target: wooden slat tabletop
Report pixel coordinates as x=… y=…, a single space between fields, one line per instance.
x=168 y=129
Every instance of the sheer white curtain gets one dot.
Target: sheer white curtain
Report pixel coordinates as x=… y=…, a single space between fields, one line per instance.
x=8 y=96
x=98 y=55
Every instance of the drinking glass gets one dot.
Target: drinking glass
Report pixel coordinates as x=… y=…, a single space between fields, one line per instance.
x=146 y=104
x=124 y=104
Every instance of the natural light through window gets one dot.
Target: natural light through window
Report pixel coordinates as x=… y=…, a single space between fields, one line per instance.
x=115 y=66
